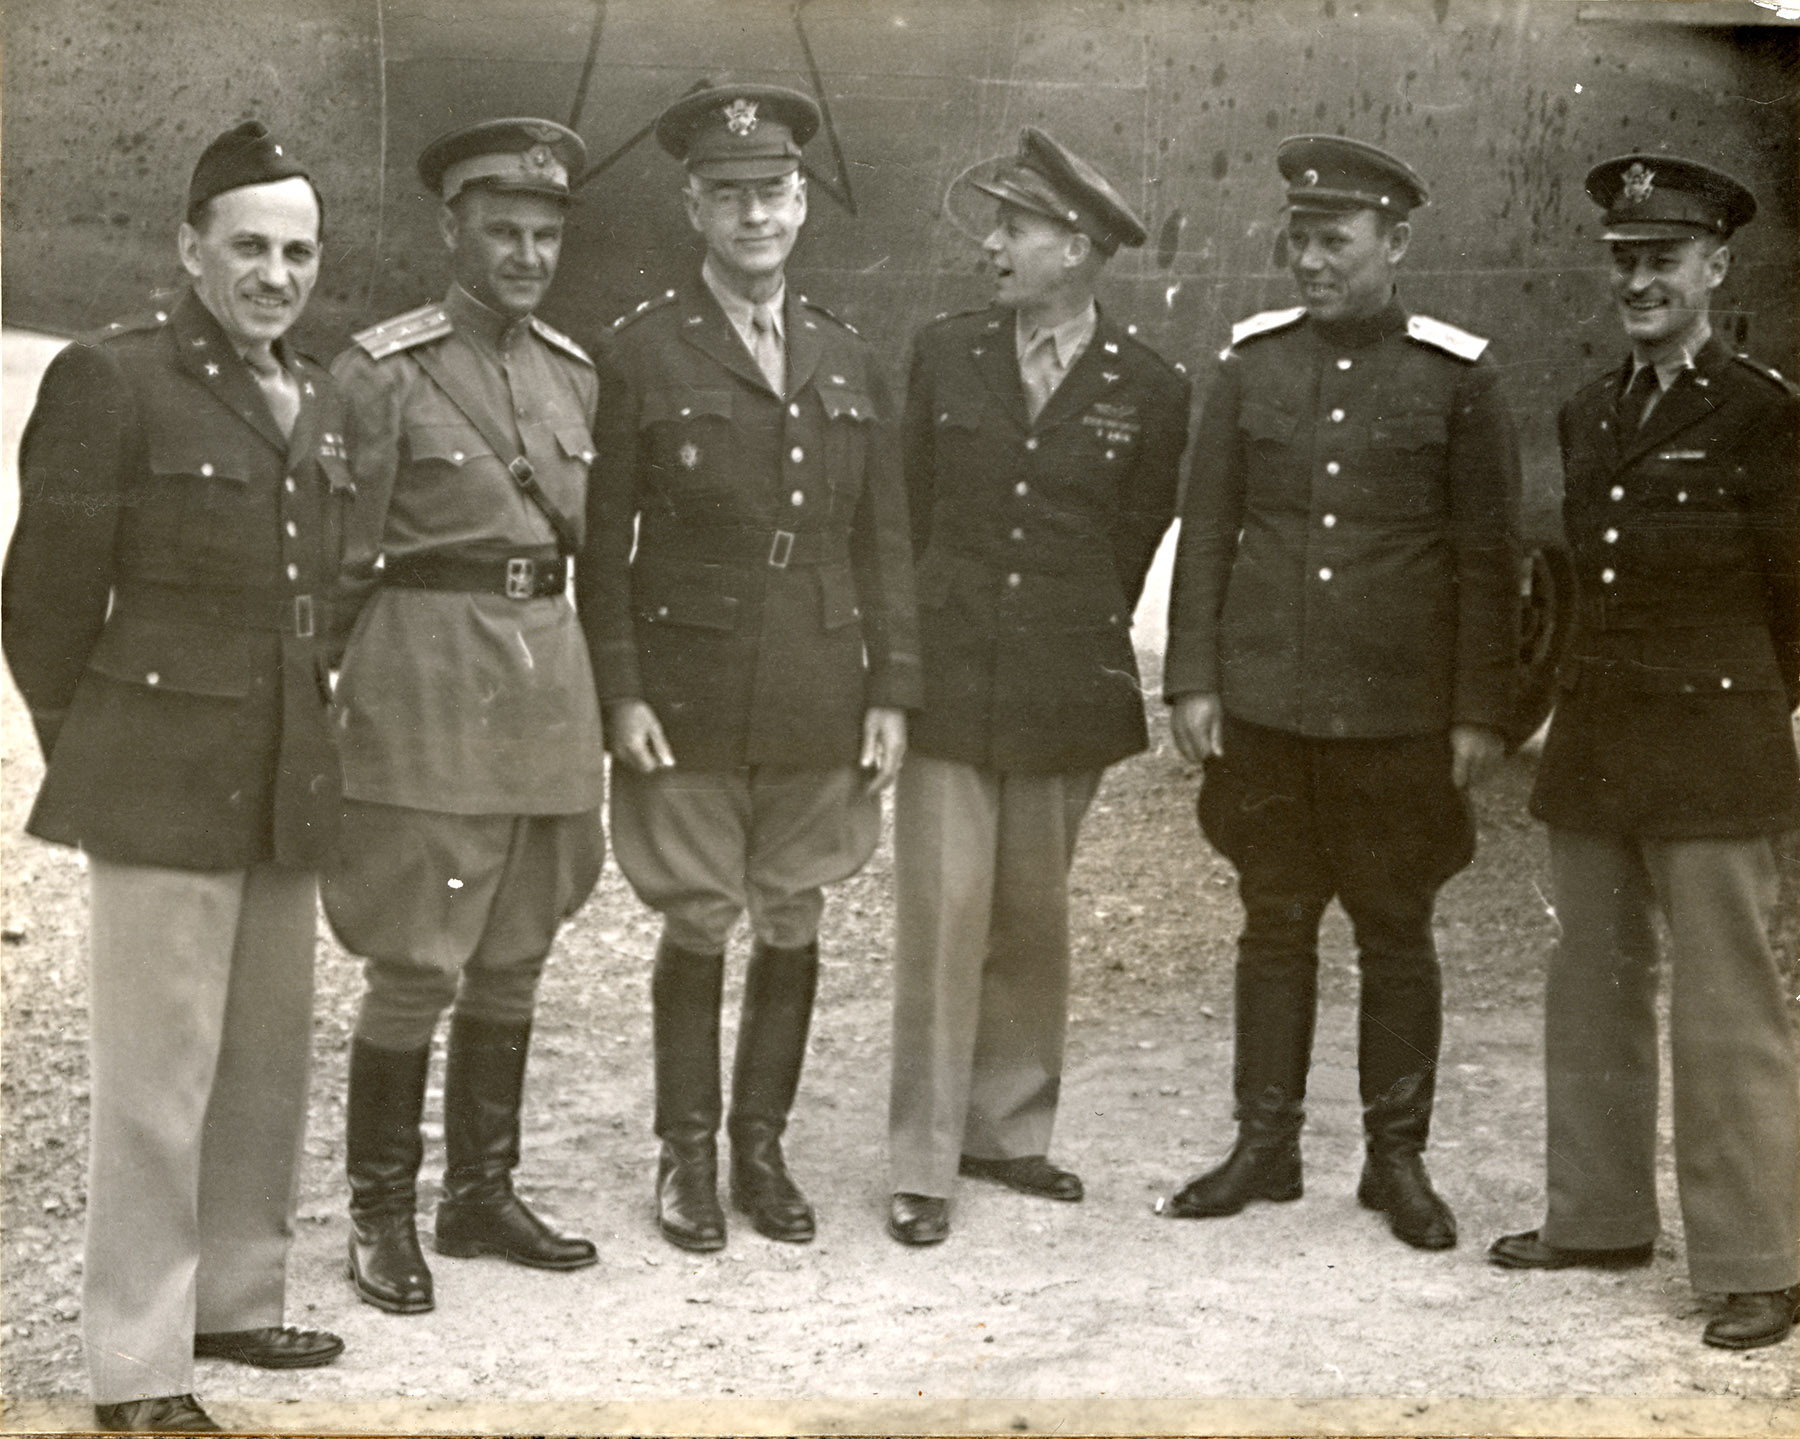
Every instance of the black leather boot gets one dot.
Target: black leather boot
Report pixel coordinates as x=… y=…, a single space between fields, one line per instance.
x=684 y=1004
x=484 y=1086
x=771 y=1048
x=1394 y=1181
x=382 y=1150
x=1263 y=1164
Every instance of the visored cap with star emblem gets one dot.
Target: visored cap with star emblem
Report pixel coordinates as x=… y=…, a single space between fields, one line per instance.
x=1664 y=197
x=246 y=154
x=1333 y=172
x=518 y=153
x=1050 y=179
x=722 y=131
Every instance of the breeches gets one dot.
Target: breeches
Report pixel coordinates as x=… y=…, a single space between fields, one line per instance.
x=981 y=963
x=703 y=846
x=454 y=908
x=200 y=1012
x=1737 y=1107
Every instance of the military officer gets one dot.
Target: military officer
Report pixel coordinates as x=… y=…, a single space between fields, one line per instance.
x=1669 y=767
x=756 y=654
x=470 y=726
x=182 y=498
x=1342 y=657
x=1042 y=450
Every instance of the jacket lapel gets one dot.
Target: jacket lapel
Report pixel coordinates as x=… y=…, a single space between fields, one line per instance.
x=1096 y=371
x=995 y=355
x=1689 y=399
x=704 y=326
x=206 y=355
x=803 y=344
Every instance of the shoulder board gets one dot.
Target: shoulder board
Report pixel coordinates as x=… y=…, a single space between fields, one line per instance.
x=415 y=327
x=1768 y=372
x=1447 y=338
x=644 y=307
x=1265 y=323
x=950 y=317
x=132 y=325
x=815 y=305
x=550 y=335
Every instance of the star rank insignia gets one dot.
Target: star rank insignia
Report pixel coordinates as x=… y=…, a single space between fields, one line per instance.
x=1638 y=181
x=690 y=455
x=740 y=116
x=212 y=370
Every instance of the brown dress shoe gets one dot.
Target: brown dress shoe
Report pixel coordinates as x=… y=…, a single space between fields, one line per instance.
x=1753 y=1320
x=166 y=1414
x=274 y=1347
x=1527 y=1251
x=918 y=1219
x=1029 y=1174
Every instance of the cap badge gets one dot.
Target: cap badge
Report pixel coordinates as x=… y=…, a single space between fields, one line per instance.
x=543 y=134
x=1638 y=181
x=1311 y=177
x=740 y=116
x=539 y=157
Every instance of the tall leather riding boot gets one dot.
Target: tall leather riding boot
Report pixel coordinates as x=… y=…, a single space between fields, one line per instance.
x=484 y=1086
x=1276 y=1003
x=684 y=1003
x=382 y=1151
x=1396 y=1126
x=771 y=1048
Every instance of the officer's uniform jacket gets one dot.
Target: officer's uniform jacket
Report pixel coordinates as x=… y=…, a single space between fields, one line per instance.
x=164 y=599
x=1033 y=539
x=769 y=600
x=1672 y=718
x=1348 y=563
x=457 y=700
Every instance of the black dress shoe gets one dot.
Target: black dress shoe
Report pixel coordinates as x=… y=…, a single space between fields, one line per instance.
x=168 y=1414
x=1753 y=1320
x=1527 y=1251
x=1029 y=1174
x=918 y=1219
x=283 y=1347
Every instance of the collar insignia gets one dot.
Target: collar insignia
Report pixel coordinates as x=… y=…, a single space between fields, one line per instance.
x=1638 y=182
x=740 y=116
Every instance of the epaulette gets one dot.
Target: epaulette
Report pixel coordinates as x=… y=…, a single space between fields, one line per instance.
x=1447 y=338
x=415 y=327
x=1264 y=324
x=550 y=335
x=134 y=324
x=815 y=305
x=645 y=307
x=1769 y=372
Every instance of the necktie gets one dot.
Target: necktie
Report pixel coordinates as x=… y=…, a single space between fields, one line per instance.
x=767 y=348
x=278 y=389
x=1634 y=404
x=1039 y=372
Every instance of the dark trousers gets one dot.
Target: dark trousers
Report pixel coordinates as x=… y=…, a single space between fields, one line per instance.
x=1376 y=824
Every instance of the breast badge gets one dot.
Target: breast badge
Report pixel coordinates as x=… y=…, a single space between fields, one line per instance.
x=690 y=455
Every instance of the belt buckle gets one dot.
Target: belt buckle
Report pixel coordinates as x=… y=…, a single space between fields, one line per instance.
x=520 y=469
x=303 y=617
x=781 y=548
x=520 y=578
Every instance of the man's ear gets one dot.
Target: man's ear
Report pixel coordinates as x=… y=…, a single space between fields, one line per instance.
x=1398 y=239
x=690 y=200
x=1080 y=245
x=1718 y=266
x=187 y=244
x=449 y=225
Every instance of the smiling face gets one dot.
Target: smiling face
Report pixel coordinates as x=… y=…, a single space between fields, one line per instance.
x=1662 y=289
x=1344 y=261
x=1034 y=260
x=254 y=258
x=504 y=245
x=749 y=226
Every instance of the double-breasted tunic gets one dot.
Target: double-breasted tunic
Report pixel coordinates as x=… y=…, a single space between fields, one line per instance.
x=164 y=599
x=1672 y=720
x=1033 y=538
x=768 y=602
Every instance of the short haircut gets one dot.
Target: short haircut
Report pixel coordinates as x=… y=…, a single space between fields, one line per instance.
x=199 y=215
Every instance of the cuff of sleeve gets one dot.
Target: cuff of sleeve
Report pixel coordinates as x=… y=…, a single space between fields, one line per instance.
x=899 y=684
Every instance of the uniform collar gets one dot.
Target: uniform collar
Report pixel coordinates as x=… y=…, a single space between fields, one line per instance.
x=739 y=310
x=1669 y=370
x=482 y=322
x=1354 y=334
x=1070 y=338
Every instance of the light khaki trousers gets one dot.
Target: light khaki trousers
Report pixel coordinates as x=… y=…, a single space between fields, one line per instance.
x=200 y=1033
x=981 y=963
x=1737 y=1105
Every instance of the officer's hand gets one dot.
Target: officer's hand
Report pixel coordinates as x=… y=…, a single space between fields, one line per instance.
x=1198 y=724
x=884 y=746
x=634 y=734
x=1474 y=750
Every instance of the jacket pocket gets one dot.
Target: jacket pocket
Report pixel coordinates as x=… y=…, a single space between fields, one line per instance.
x=663 y=406
x=453 y=445
x=688 y=594
x=837 y=597
x=576 y=443
x=1708 y=660
x=1262 y=421
x=1408 y=432
x=166 y=654
x=843 y=401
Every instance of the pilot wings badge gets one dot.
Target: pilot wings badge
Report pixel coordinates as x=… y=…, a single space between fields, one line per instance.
x=1638 y=181
x=690 y=455
x=740 y=116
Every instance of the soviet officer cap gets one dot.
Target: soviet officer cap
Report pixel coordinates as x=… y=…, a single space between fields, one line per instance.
x=519 y=154
x=246 y=154
x=1663 y=197
x=1049 y=179
x=723 y=131
x=1330 y=172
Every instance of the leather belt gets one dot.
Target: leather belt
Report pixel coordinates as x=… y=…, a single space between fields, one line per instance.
x=518 y=577
x=232 y=607
x=1602 y=613
x=748 y=545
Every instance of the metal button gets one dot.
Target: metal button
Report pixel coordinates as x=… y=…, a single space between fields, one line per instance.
x=1725 y=683
x=1329 y=521
x=1344 y=364
x=1018 y=534
x=1013 y=580
x=1337 y=417
x=1681 y=497
x=289 y=482
x=662 y=612
x=1325 y=574
x=153 y=678
x=1607 y=577
x=1332 y=467
x=794 y=410
x=1111 y=455
x=797 y=497
x=293 y=572
x=1021 y=488
x=1618 y=492
x=796 y=454
x=292 y=529
x=456 y=457
x=1032 y=443
x=1611 y=537
x=206 y=469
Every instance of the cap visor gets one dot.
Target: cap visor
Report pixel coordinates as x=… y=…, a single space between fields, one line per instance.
x=1012 y=195
x=1656 y=230
x=753 y=168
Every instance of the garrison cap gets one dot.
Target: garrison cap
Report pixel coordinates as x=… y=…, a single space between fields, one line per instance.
x=1329 y=172
x=1049 y=179
x=722 y=131
x=243 y=155
x=519 y=154
x=1663 y=197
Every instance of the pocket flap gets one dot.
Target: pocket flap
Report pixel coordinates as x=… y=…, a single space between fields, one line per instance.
x=166 y=654
x=959 y=412
x=837 y=597
x=1263 y=421
x=685 y=594
x=844 y=403
x=195 y=452
x=576 y=443
x=446 y=444
x=685 y=404
x=1409 y=432
x=1714 y=660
